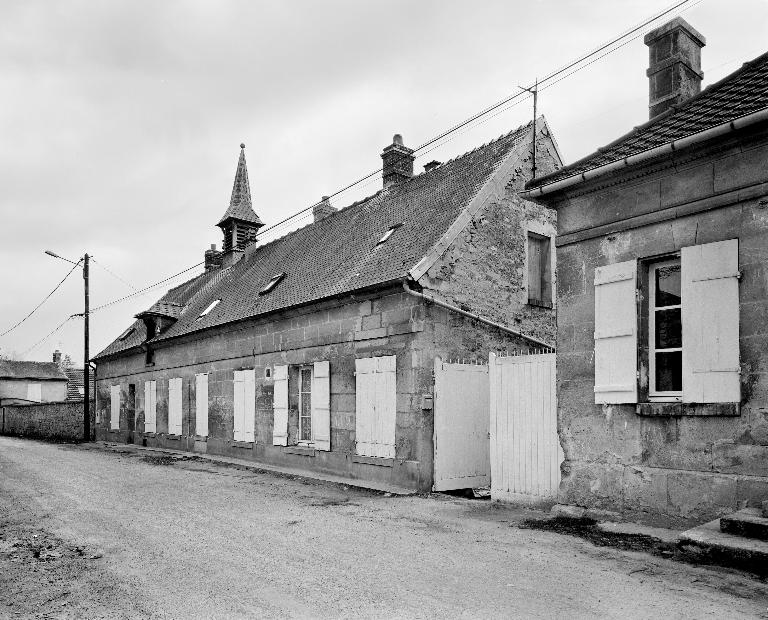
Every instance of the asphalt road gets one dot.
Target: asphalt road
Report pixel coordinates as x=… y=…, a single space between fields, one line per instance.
x=93 y=533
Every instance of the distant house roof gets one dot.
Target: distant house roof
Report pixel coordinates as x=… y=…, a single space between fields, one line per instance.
x=742 y=92
x=342 y=252
x=44 y=371
x=76 y=383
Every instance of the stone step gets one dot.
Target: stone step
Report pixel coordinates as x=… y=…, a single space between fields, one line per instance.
x=765 y=508
x=749 y=523
x=706 y=543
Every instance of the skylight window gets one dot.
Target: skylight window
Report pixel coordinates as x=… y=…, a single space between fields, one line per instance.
x=213 y=304
x=126 y=333
x=272 y=283
x=388 y=234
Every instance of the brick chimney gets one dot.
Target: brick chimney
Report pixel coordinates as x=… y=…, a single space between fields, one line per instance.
x=674 y=72
x=213 y=259
x=57 y=357
x=398 y=162
x=322 y=209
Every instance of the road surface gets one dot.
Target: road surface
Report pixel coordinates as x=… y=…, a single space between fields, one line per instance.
x=94 y=533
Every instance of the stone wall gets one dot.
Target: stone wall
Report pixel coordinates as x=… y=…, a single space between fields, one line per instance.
x=672 y=469
x=391 y=323
x=485 y=271
x=60 y=421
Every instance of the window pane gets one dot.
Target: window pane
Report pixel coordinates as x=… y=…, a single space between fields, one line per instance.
x=669 y=375
x=306 y=380
x=669 y=330
x=668 y=286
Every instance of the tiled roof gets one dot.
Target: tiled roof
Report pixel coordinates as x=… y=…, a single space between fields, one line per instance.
x=75 y=383
x=12 y=369
x=164 y=308
x=742 y=92
x=338 y=254
x=240 y=205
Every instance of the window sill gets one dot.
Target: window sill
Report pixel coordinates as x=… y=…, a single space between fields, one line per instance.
x=150 y=434
x=373 y=460
x=303 y=450
x=540 y=303
x=173 y=437
x=201 y=437
x=676 y=409
x=248 y=445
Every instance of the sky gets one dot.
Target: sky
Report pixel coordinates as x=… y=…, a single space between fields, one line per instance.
x=121 y=120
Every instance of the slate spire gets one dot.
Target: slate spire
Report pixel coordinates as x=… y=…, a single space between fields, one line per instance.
x=240 y=205
x=240 y=222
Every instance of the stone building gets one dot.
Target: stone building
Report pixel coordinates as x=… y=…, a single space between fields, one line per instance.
x=662 y=336
x=317 y=350
x=31 y=382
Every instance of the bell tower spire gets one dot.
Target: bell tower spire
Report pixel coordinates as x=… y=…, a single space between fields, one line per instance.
x=240 y=222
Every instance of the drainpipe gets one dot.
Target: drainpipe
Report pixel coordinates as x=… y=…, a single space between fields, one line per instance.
x=471 y=315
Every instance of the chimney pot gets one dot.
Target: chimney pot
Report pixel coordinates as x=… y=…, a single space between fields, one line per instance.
x=57 y=357
x=397 y=162
x=674 y=71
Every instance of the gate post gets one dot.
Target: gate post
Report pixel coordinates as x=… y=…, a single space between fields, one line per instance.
x=493 y=410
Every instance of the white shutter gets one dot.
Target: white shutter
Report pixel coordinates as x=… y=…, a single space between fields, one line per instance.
x=280 y=403
x=150 y=406
x=174 y=406
x=201 y=404
x=114 y=412
x=35 y=392
x=710 y=299
x=376 y=406
x=321 y=405
x=249 y=411
x=616 y=333
x=239 y=406
x=386 y=404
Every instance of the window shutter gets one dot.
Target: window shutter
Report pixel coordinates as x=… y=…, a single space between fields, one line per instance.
x=35 y=392
x=710 y=298
x=150 y=406
x=238 y=406
x=321 y=405
x=201 y=405
x=174 y=406
x=114 y=413
x=376 y=406
x=249 y=412
x=616 y=333
x=280 y=404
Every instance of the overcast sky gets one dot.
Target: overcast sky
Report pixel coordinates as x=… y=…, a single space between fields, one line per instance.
x=120 y=121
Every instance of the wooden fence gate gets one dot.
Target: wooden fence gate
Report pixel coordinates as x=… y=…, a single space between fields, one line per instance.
x=525 y=452
x=461 y=426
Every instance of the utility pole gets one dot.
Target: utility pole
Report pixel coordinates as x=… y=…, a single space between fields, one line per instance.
x=86 y=355
x=86 y=360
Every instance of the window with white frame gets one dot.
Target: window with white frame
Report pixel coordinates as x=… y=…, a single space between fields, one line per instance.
x=689 y=308
x=305 y=404
x=665 y=331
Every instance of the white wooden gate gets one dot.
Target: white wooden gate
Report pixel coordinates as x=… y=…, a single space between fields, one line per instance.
x=525 y=450
x=461 y=426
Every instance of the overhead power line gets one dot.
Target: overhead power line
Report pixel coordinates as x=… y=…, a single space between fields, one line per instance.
x=51 y=333
x=10 y=329
x=483 y=116
x=572 y=67
x=146 y=288
x=113 y=274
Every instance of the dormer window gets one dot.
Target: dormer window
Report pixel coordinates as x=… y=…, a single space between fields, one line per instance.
x=388 y=234
x=212 y=305
x=272 y=283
